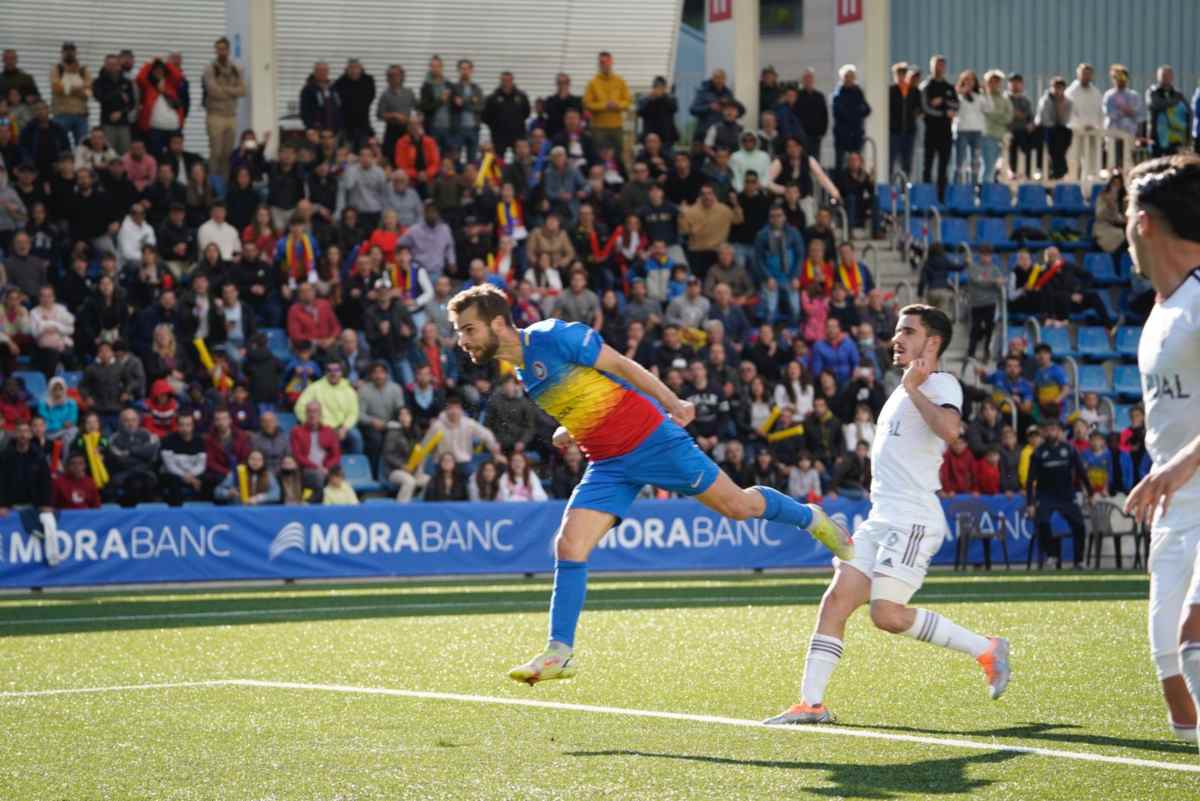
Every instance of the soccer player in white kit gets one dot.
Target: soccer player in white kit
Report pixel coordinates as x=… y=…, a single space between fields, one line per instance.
x=906 y=526
x=1163 y=230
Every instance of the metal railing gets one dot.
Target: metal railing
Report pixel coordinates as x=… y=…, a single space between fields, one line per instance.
x=1002 y=345
x=900 y=185
x=907 y=289
x=842 y=220
x=1108 y=404
x=959 y=301
x=870 y=164
x=937 y=218
x=1012 y=407
x=1073 y=374
x=872 y=264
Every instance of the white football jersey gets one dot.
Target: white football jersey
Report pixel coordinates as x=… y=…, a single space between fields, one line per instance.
x=906 y=456
x=1169 y=361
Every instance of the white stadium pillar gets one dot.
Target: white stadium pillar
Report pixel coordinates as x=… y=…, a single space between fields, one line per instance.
x=731 y=43
x=862 y=37
x=250 y=26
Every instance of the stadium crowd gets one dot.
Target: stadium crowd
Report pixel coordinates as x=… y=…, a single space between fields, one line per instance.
x=245 y=330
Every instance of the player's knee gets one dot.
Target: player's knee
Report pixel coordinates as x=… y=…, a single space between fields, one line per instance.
x=889 y=617
x=570 y=548
x=837 y=604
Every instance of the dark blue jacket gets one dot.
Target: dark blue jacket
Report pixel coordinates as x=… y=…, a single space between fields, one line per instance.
x=850 y=112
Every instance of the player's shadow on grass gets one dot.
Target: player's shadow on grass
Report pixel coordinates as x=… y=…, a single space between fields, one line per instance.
x=923 y=778
x=1047 y=732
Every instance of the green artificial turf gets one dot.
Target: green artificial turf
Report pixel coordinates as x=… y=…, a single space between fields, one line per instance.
x=730 y=647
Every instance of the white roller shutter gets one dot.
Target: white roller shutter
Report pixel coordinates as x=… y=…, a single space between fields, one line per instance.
x=37 y=29
x=535 y=39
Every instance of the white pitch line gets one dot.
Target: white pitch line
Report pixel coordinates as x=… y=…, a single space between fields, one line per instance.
x=112 y=689
x=868 y=734
x=948 y=742
x=286 y=611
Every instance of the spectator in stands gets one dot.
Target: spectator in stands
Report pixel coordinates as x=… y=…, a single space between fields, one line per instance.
x=968 y=126
x=557 y=104
x=380 y=400
x=728 y=312
x=850 y=111
x=985 y=429
x=512 y=417
x=939 y=105
x=74 y=488
x=836 y=352
x=1055 y=470
x=135 y=234
x=657 y=110
x=726 y=131
x=364 y=184
x=311 y=318
x=43 y=140
x=59 y=411
x=402 y=199
x=856 y=189
x=852 y=275
x=270 y=440
x=998 y=117
x=1087 y=116
x=1167 y=127
x=707 y=224
x=767 y=472
x=460 y=433
x=356 y=91
x=118 y=103
x=579 y=304
x=935 y=279
x=1051 y=383
x=431 y=243
x=337 y=491
x=285 y=187
x=568 y=472
x=707 y=103
x=550 y=239
x=252 y=484
x=70 y=88
x=395 y=107
x=505 y=113
x=226 y=447
x=14 y=78
x=811 y=113
x=133 y=455
x=315 y=446
x=219 y=232
x=985 y=283
x=1065 y=291
x=94 y=151
x=185 y=462
x=320 y=105
x=162 y=102
x=958 y=472
x=53 y=329
x=904 y=107
x=1054 y=116
x=24 y=473
x=448 y=483
x=1011 y=383
x=1109 y=228
x=607 y=98
x=1124 y=111
x=339 y=405
x=748 y=159
x=689 y=311
x=25 y=271
x=519 y=482
x=823 y=434
x=223 y=86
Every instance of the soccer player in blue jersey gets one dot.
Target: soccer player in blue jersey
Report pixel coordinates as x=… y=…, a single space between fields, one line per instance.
x=630 y=427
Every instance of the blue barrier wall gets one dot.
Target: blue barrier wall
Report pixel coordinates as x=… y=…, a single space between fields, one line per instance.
x=209 y=543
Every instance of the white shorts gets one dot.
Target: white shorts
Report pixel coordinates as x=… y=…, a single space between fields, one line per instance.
x=1174 y=585
x=900 y=552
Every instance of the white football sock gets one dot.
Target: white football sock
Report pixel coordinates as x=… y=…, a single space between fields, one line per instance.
x=932 y=628
x=1185 y=733
x=1189 y=663
x=823 y=655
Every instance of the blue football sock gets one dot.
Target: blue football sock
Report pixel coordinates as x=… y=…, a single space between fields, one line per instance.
x=570 y=588
x=783 y=509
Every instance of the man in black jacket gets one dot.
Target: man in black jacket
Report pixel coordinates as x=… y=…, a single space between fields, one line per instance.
x=92 y=218
x=813 y=112
x=559 y=103
x=657 y=111
x=904 y=106
x=356 y=90
x=505 y=113
x=24 y=472
x=118 y=102
x=939 y=104
x=1054 y=471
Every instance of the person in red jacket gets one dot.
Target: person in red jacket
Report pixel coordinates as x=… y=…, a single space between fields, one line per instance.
x=74 y=488
x=958 y=472
x=162 y=108
x=312 y=318
x=225 y=447
x=417 y=154
x=315 y=447
x=987 y=472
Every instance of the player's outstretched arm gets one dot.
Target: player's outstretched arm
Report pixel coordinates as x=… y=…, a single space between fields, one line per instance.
x=610 y=361
x=1163 y=482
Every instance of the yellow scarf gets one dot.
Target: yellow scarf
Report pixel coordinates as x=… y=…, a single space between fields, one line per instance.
x=850 y=276
x=243 y=480
x=510 y=216
x=489 y=172
x=91 y=445
x=292 y=260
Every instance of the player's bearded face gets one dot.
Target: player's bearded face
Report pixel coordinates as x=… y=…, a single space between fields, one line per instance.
x=484 y=350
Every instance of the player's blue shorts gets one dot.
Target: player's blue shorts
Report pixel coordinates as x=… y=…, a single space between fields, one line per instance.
x=669 y=459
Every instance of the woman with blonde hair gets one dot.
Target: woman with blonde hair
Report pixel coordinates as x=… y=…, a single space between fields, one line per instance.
x=165 y=359
x=968 y=128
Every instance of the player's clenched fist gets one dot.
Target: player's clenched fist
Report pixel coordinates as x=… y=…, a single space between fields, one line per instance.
x=682 y=412
x=920 y=368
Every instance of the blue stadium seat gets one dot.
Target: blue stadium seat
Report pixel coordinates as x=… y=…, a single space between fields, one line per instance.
x=923 y=197
x=375 y=501
x=995 y=199
x=954 y=232
x=1128 y=382
x=1122 y=419
x=287 y=421
x=34 y=381
x=1029 y=223
x=1031 y=199
x=1059 y=340
x=1096 y=190
x=358 y=473
x=73 y=378
x=1068 y=199
x=918 y=229
x=884 y=196
x=1100 y=267
x=1092 y=342
x=1067 y=227
x=1094 y=378
x=1128 y=338
x=960 y=199
x=992 y=231
x=1015 y=331
x=277 y=341
x=1126 y=269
